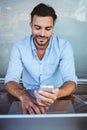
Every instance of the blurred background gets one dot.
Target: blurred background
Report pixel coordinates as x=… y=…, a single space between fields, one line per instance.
x=70 y=25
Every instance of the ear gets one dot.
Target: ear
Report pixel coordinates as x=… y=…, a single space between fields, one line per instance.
x=30 y=24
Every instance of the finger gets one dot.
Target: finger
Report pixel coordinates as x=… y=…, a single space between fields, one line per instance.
x=50 y=95
x=47 y=97
x=39 y=99
x=44 y=98
x=36 y=109
x=43 y=110
x=36 y=94
x=24 y=110
x=56 y=91
x=45 y=93
x=40 y=103
x=45 y=102
x=30 y=111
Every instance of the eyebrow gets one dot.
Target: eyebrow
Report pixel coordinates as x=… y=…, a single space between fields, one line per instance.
x=45 y=27
x=37 y=26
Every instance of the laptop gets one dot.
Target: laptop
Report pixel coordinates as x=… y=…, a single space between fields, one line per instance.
x=60 y=116
x=68 y=121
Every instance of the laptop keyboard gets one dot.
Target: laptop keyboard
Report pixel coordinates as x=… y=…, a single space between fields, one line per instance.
x=79 y=105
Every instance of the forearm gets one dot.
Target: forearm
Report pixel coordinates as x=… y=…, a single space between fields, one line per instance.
x=28 y=103
x=16 y=90
x=66 y=89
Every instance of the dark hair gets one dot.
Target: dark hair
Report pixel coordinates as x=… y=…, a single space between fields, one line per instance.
x=44 y=10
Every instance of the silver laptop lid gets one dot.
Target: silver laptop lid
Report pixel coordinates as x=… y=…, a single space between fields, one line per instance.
x=44 y=122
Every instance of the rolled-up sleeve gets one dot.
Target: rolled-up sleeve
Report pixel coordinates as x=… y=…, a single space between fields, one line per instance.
x=15 y=66
x=67 y=64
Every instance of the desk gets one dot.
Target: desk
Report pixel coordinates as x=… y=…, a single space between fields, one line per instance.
x=78 y=107
x=65 y=105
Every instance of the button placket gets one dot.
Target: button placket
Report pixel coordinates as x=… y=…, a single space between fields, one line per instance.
x=41 y=70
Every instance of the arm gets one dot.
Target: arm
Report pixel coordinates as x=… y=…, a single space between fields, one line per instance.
x=28 y=103
x=46 y=98
x=66 y=89
x=12 y=80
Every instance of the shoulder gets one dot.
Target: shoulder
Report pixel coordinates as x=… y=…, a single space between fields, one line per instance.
x=60 y=43
x=25 y=42
x=22 y=46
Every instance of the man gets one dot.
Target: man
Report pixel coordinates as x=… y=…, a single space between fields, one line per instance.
x=40 y=58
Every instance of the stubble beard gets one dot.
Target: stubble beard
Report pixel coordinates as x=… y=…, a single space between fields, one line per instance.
x=41 y=44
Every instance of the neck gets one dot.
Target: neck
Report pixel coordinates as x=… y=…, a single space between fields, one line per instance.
x=40 y=53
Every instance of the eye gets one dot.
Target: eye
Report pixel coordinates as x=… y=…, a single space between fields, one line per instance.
x=37 y=27
x=48 y=28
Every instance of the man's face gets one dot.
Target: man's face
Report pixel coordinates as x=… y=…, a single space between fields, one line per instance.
x=42 y=28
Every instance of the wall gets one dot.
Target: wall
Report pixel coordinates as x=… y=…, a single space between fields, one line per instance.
x=71 y=25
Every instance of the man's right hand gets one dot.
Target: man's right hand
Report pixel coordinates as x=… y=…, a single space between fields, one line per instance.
x=29 y=105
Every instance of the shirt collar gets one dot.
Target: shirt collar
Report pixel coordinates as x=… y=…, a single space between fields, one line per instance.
x=32 y=44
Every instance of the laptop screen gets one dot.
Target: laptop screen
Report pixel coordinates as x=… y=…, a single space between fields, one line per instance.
x=44 y=122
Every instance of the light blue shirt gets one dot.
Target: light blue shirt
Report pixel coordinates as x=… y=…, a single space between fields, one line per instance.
x=55 y=68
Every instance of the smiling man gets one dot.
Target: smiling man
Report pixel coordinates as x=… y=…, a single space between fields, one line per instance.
x=40 y=59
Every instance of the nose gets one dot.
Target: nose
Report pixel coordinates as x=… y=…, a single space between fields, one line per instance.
x=42 y=32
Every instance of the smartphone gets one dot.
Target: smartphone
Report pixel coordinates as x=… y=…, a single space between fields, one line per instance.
x=48 y=88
